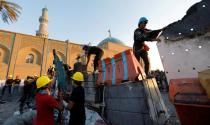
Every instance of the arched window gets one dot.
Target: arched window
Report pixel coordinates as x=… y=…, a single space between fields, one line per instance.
x=30 y=58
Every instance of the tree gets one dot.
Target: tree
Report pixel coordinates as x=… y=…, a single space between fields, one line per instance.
x=9 y=11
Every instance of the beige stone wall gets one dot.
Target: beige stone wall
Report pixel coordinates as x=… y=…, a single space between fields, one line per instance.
x=111 y=49
x=7 y=38
x=60 y=47
x=6 y=44
x=3 y=70
x=115 y=48
x=73 y=52
x=19 y=46
x=24 y=46
x=4 y=54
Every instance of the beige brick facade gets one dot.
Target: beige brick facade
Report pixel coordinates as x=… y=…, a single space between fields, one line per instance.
x=23 y=55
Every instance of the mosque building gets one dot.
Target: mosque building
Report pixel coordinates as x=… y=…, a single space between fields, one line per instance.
x=23 y=55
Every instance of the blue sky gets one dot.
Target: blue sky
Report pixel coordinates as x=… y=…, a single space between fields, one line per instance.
x=83 y=21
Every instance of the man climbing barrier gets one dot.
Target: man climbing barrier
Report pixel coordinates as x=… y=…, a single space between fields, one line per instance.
x=141 y=34
x=93 y=50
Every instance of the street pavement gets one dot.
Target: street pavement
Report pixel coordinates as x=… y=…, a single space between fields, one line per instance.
x=12 y=104
x=7 y=109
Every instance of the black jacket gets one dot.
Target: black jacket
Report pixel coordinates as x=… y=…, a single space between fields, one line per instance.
x=94 y=50
x=143 y=35
x=77 y=116
x=9 y=82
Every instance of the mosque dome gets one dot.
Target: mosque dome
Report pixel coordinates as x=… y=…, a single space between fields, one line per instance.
x=112 y=40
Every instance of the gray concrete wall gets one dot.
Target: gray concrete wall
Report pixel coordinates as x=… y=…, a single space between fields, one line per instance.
x=90 y=91
x=126 y=105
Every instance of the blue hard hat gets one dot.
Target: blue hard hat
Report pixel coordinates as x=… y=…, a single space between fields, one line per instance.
x=143 y=20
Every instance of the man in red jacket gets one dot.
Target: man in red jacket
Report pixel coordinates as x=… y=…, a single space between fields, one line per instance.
x=45 y=103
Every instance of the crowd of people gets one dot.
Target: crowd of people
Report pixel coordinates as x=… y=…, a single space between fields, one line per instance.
x=37 y=94
x=44 y=94
x=12 y=85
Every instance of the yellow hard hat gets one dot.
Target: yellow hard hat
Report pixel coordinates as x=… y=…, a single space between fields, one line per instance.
x=10 y=77
x=78 y=76
x=42 y=81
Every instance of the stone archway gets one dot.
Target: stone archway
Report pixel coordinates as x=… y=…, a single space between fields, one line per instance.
x=4 y=61
x=4 y=54
x=23 y=55
x=28 y=62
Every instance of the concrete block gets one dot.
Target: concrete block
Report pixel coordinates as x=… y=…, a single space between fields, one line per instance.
x=137 y=105
x=147 y=119
x=90 y=90
x=90 y=98
x=125 y=90
x=125 y=118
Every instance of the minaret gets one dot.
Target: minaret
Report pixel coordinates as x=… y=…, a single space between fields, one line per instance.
x=43 y=26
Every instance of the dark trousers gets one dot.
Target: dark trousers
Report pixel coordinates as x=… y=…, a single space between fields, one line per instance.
x=25 y=99
x=144 y=55
x=15 y=90
x=96 y=59
x=76 y=121
x=9 y=89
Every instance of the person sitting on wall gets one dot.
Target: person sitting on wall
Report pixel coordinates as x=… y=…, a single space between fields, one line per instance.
x=93 y=50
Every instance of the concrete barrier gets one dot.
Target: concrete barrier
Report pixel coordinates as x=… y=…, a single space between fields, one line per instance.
x=126 y=105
